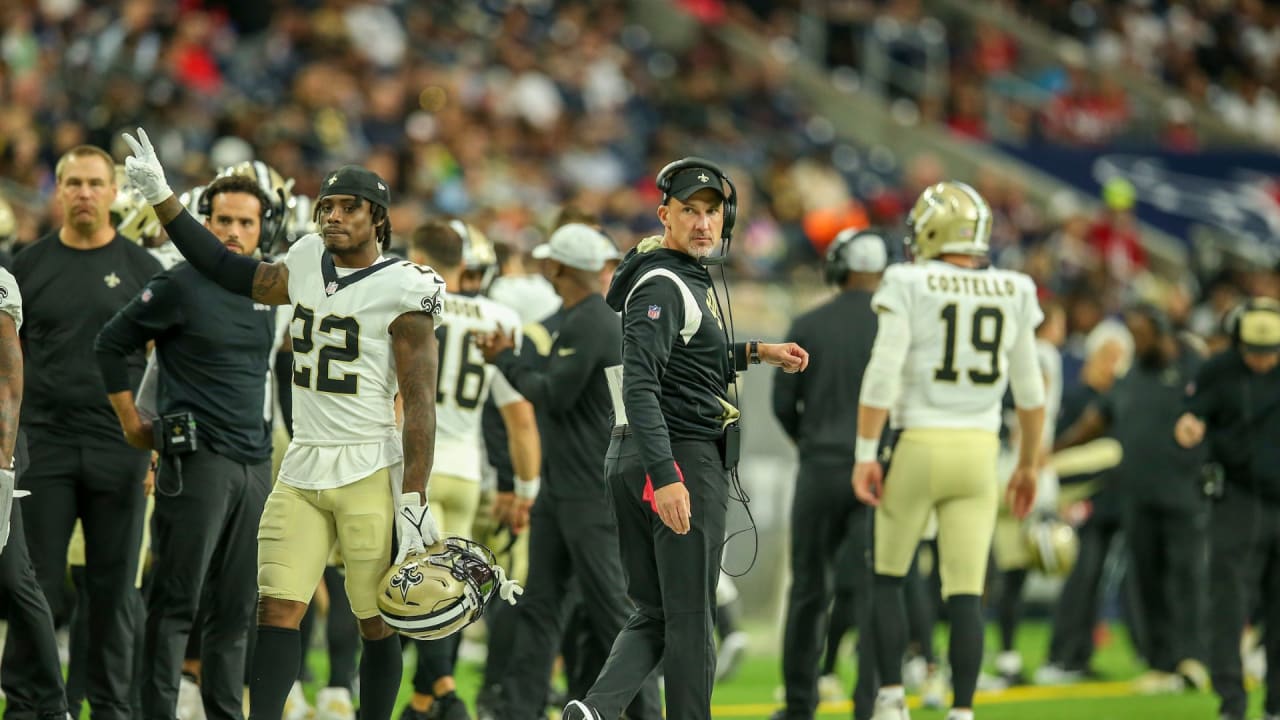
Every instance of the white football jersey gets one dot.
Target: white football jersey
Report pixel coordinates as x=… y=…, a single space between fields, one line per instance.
x=465 y=382
x=10 y=297
x=344 y=375
x=963 y=324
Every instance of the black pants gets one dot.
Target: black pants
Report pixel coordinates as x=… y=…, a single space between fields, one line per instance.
x=102 y=485
x=824 y=514
x=204 y=536
x=1071 y=643
x=1168 y=550
x=672 y=581
x=30 y=672
x=1244 y=569
x=575 y=538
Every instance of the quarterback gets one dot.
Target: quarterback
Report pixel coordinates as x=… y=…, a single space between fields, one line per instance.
x=952 y=336
x=363 y=330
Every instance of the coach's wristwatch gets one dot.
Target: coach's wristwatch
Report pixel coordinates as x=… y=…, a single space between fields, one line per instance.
x=753 y=352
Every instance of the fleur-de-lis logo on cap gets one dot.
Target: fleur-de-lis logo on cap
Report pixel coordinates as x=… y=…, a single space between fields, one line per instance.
x=333 y=179
x=703 y=178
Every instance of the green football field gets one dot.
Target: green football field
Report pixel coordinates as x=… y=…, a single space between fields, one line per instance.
x=751 y=694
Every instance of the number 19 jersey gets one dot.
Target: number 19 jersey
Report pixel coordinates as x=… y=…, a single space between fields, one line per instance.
x=964 y=322
x=465 y=381
x=344 y=373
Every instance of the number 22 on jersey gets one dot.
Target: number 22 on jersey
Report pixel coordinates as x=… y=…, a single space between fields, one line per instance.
x=340 y=344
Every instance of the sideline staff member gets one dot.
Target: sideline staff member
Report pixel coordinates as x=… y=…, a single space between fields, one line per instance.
x=814 y=410
x=572 y=529
x=1236 y=402
x=213 y=348
x=673 y=446
x=73 y=281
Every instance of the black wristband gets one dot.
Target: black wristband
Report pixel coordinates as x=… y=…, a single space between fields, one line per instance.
x=753 y=352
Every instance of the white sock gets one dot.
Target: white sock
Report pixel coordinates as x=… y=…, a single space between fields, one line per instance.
x=891 y=694
x=960 y=715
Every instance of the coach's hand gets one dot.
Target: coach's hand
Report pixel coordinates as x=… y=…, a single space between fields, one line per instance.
x=868 y=482
x=492 y=345
x=789 y=356
x=144 y=169
x=415 y=528
x=673 y=507
x=1021 y=493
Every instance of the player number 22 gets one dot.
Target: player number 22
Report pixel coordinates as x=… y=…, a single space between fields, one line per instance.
x=346 y=331
x=987 y=330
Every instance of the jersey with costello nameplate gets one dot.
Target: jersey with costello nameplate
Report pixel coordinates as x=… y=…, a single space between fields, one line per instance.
x=964 y=324
x=466 y=381
x=344 y=375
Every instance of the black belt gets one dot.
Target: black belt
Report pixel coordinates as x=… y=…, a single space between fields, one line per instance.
x=621 y=431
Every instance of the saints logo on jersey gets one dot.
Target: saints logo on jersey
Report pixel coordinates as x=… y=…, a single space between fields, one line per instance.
x=713 y=306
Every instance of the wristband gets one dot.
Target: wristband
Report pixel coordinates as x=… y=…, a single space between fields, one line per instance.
x=866 y=450
x=753 y=352
x=528 y=489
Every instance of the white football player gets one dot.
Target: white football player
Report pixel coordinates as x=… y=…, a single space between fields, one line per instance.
x=465 y=383
x=952 y=336
x=362 y=329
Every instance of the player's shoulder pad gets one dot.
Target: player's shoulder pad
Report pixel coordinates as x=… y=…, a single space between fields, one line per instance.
x=895 y=285
x=422 y=287
x=10 y=297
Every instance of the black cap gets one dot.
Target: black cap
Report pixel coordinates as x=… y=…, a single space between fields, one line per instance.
x=358 y=182
x=687 y=182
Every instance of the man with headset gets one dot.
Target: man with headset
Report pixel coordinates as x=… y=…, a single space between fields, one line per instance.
x=674 y=444
x=814 y=411
x=1235 y=402
x=213 y=350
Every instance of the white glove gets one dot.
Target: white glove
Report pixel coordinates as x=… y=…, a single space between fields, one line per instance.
x=508 y=590
x=7 y=496
x=144 y=170
x=415 y=528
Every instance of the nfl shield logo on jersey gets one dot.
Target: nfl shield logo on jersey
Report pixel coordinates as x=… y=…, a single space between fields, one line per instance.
x=331 y=288
x=655 y=312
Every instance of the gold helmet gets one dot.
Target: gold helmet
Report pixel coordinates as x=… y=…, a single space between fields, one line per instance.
x=134 y=217
x=478 y=253
x=1053 y=544
x=275 y=221
x=949 y=217
x=436 y=594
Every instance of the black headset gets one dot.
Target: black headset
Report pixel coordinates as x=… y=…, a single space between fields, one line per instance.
x=837 y=261
x=274 y=213
x=730 y=207
x=1235 y=318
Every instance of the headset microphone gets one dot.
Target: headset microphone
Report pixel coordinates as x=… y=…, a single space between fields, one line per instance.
x=713 y=260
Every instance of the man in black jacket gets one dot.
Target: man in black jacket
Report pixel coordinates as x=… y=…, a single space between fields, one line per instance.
x=572 y=529
x=73 y=281
x=674 y=444
x=214 y=356
x=1236 y=402
x=815 y=410
x=1165 y=512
